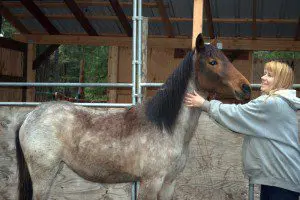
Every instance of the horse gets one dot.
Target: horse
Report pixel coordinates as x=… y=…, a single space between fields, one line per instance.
x=147 y=142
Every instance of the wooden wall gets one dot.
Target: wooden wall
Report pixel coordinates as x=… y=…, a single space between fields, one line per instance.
x=11 y=65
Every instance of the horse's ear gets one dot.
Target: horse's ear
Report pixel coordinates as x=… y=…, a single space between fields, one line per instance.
x=199 y=43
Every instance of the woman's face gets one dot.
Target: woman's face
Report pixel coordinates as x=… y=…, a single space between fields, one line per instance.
x=267 y=81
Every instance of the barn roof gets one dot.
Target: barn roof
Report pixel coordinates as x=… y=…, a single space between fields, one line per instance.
x=230 y=18
x=241 y=19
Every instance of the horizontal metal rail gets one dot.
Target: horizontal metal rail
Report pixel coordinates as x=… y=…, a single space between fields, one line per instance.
x=253 y=86
x=35 y=84
x=81 y=104
x=257 y=86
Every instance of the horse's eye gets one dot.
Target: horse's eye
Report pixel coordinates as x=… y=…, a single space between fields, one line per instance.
x=213 y=62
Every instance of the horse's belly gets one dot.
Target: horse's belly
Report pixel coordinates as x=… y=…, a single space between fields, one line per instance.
x=108 y=176
x=101 y=172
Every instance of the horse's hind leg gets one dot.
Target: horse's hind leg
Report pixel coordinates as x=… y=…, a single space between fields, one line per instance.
x=149 y=189
x=167 y=190
x=42 y=155
x=42 y=176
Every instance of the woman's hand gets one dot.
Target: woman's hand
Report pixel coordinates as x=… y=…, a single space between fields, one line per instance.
x=193 y=100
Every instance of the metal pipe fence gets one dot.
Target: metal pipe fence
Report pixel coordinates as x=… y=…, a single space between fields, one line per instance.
x=113 y=85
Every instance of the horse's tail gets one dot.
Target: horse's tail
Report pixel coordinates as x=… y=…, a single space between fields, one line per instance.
x=25 y=184
x=11 y=120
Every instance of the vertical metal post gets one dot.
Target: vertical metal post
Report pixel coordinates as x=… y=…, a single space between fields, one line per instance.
x=144 y=56
x=133 y=93
x=139 y=61
x=134 y=18
x=251 y=191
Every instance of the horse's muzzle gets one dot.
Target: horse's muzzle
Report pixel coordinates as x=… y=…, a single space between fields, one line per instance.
x=244 y=94
x=247 y=90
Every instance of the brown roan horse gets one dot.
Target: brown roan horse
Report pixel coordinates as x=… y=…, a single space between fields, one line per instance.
x=146 y=143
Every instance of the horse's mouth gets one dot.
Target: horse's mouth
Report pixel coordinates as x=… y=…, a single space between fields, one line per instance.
x=242 y=96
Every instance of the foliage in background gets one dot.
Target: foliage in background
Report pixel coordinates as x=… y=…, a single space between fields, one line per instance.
x=7 y=29
x=64 y=66
x=269 y=55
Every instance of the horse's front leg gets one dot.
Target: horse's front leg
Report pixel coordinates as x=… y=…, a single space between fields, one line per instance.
x=150 y=188
x=167 y=190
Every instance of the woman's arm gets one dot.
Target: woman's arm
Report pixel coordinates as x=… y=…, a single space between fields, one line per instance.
x=242 y=118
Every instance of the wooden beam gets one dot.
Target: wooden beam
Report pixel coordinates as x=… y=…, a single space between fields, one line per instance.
x=82 y=4
x=81 y=17
x=12 y=20
x=12 y=44
x=30 y=74
x=159 y=19
x=112 y=74
x=38 y=61
x=122 y=17
x=144 y=74
x=24 y=74
x=250 y=20
x=297 y=36
x=39 y=15
x=197 y=20
x=6 y=78
x=165 y=19
x=254 y=28
x=210 y=24
x=272 y=44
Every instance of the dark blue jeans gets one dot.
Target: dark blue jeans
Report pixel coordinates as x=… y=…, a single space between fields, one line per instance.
x=275 y=193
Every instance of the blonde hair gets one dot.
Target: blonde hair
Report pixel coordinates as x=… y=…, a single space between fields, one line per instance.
x=283 y=75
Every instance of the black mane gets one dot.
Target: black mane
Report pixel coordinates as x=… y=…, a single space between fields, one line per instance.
x=164 y=107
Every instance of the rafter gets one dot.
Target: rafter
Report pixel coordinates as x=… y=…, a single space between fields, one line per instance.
x=48 y=52
x=158 y=19
x=297 y=36
x=165 y=19
x=254 y=26
x=12 y=44
x=39 y=15
x=12 y=20
x=48 y=26
x=121 y=16
x=81 y=17
x=210 y=24
x=85 y=3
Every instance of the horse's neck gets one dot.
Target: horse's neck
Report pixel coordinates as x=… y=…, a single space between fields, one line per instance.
x=187 y=120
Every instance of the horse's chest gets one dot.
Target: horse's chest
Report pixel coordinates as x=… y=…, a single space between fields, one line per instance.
x=168 y=158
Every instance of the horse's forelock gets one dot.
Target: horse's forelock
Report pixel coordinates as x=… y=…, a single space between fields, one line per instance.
x=214 y=52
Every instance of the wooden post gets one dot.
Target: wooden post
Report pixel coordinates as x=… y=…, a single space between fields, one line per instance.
x=144 y=54
x=113 y=62
x=197 y=20
x=81 y=79
x=31 y=54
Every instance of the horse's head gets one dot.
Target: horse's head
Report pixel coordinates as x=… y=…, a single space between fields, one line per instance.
x=215 y=73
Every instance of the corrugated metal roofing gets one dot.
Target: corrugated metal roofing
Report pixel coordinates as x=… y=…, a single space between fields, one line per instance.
x=228 y=9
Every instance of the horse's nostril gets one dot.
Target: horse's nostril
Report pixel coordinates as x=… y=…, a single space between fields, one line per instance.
x=246 y=89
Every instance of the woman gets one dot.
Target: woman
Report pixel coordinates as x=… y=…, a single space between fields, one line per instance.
x=271 y=149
